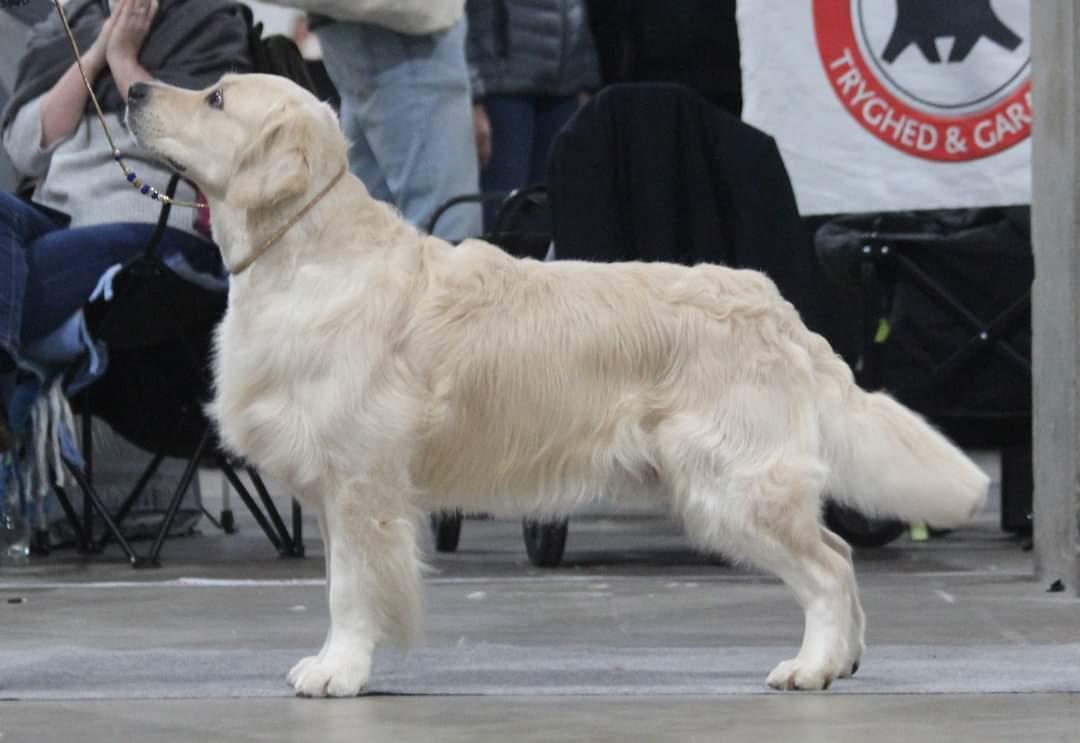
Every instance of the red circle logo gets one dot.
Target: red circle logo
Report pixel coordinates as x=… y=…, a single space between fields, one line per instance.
x=891 y=64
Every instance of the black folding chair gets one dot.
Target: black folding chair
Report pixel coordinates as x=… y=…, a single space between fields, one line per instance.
x=946 y=308
x=158 y=331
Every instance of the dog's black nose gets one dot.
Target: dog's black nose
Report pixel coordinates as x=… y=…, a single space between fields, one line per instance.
x=137 y=93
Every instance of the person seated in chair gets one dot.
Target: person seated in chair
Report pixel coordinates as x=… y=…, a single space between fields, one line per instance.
x=82 y=216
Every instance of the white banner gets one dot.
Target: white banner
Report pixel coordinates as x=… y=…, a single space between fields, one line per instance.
x=885 y=105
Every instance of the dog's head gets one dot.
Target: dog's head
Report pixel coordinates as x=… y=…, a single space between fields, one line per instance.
x=250 y=141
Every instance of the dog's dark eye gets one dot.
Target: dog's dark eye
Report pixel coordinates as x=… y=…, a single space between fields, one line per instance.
x=216 y=99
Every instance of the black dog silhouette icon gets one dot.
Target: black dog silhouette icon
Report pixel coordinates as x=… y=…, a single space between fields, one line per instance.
x=923 y=22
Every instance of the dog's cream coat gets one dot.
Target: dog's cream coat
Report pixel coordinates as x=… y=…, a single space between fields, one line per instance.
x=379 y=373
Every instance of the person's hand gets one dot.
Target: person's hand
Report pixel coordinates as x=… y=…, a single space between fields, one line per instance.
x=131 y=21
x=482 y=131
x=94 y=57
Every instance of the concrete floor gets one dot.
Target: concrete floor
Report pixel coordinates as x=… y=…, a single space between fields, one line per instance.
x=807 y=719
x=684 y=641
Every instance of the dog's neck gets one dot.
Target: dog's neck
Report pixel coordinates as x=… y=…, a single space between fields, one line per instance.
x=238 y=267
x=246 y=236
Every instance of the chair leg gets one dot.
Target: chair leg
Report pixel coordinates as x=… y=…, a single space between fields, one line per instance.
x=245 y=496
x=272 y=511
x=297 y=529
x=871 y=299
x=228 y=521
x=181 y=490
x=90 y=495
x=72 y=518
x=88 y=472
x=209 y=517
x=137 y=491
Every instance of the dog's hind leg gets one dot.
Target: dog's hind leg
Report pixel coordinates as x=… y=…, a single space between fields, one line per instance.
x=300 y=667
x=373 y=585
x=857 y=640
x=767 y=514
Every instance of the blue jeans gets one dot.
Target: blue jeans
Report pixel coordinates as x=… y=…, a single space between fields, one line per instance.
x=406 y=108
x=522 y=130
x=47 y=271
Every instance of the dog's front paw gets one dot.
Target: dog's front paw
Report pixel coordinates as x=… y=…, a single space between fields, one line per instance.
x=795 y=675
x=333 y=676
x=851 y=666
x=856 y=640
x=296 y=671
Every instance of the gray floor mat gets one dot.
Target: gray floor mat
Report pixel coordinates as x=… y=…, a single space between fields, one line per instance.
x=70 y=672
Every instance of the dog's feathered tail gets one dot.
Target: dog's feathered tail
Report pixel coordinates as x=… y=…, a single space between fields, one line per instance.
x=884 y=460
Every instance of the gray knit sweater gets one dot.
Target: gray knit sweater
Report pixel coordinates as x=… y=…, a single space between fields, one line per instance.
x=79 y=177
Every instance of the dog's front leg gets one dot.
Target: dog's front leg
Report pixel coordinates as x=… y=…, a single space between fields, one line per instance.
x=373 y=573
x=304 y=663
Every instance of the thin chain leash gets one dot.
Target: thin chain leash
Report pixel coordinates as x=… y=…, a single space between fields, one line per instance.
x=144 y=188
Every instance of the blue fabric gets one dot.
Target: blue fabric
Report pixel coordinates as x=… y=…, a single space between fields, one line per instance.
x=406 y=107
x=23 y=393
x=47 y=272
x=522 y=130
x=32 y=382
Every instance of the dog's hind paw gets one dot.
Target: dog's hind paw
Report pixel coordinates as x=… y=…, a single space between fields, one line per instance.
x=793 y=675
x=332 y=677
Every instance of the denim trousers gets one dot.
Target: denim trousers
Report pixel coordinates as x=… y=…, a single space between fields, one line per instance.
x=407 y=110
x=522 y=130
x=47 y=271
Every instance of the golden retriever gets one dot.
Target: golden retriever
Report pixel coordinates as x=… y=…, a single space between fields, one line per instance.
x=379 y=373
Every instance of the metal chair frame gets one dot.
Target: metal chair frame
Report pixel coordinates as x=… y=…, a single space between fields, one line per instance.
x=288 y=543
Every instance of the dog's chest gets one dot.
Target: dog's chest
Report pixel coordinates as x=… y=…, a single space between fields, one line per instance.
x=289 y=386
x=253 y=370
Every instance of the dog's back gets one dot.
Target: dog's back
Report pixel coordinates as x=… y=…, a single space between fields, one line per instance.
x=551 y=384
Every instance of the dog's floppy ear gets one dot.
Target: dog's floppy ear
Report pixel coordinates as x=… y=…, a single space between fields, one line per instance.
x=276 y=166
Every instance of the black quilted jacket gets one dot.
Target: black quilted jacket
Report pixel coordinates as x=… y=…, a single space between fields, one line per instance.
x=654 y=172
x=530 y=47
